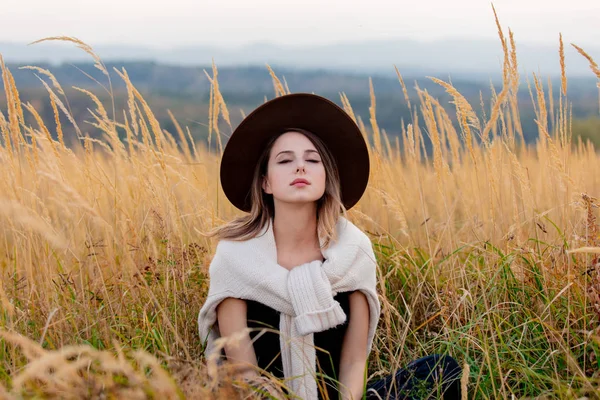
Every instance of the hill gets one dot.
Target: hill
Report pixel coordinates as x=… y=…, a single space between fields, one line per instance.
x=185 y=91
x=413 y=57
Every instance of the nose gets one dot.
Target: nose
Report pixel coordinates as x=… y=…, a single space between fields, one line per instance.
x=300 y=167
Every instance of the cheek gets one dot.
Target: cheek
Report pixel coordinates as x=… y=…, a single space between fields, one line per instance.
x=321 y=176
x=276 y=178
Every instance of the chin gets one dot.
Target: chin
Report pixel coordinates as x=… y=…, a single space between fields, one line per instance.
x=300 y=200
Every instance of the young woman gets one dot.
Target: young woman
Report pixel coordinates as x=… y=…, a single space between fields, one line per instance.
x=296 y=265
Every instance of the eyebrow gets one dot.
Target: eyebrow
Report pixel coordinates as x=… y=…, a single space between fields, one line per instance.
x=291 y=152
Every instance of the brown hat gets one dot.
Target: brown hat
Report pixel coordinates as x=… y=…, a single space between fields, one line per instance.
x=305 y=111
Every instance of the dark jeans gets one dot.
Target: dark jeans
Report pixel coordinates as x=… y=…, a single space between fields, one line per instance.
x=431 y=377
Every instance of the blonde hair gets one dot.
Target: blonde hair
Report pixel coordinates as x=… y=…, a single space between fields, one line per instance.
x=262 y=211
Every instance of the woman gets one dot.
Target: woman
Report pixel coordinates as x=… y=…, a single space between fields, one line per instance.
x=295 y=264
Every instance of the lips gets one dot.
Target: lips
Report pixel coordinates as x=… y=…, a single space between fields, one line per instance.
x=299 y=181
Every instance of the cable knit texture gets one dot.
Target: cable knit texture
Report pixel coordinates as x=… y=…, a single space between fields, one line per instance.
x=303 y=295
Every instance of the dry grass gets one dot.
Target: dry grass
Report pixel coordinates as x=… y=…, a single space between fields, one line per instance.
x=102 y=262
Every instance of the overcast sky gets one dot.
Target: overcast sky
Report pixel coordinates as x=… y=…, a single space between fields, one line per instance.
x=236 y=22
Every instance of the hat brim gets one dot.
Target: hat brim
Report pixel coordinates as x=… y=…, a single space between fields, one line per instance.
x=306 y=111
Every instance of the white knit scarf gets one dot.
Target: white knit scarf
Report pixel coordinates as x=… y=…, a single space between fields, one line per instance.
x=303 y=295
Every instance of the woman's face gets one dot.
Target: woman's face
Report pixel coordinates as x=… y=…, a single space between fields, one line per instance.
x=295 y=172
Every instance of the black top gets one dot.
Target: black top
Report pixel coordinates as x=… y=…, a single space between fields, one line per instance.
x=328 y=344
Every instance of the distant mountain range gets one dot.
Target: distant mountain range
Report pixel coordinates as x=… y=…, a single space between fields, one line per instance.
x=472 y=59
x=185 y=91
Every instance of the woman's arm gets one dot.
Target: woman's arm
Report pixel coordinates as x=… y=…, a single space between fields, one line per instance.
x=354 y=348
x=232 y=320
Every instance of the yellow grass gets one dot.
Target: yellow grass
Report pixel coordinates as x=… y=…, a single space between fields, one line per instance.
x=101 y=245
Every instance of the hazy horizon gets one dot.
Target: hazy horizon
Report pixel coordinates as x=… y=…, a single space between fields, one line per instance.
x=235 y=23
x=276 y=43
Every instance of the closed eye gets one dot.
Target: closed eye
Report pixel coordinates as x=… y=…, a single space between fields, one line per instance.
x=288 y=161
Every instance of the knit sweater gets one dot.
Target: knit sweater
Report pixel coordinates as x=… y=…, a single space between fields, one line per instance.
x=303 y=295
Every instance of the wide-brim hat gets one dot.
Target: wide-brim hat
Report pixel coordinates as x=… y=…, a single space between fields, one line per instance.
x=310 y=112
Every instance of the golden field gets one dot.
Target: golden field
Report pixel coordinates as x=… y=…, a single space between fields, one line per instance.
x=487 y=248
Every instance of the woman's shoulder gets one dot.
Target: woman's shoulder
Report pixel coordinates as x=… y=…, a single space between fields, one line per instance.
x=233 y=244
x=227 y=244
x=348 y=232
x=232 y=249
x=228 y=259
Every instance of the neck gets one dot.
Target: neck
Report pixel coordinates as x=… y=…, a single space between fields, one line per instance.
x=296 y=226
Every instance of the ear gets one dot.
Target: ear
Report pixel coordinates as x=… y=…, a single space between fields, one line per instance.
x=266 y=186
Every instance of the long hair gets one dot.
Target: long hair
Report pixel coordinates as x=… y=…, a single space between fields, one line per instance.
x=329 y=206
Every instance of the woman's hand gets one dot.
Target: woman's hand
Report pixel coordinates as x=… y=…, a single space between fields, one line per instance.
x=232 y=320
x=353 y=359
